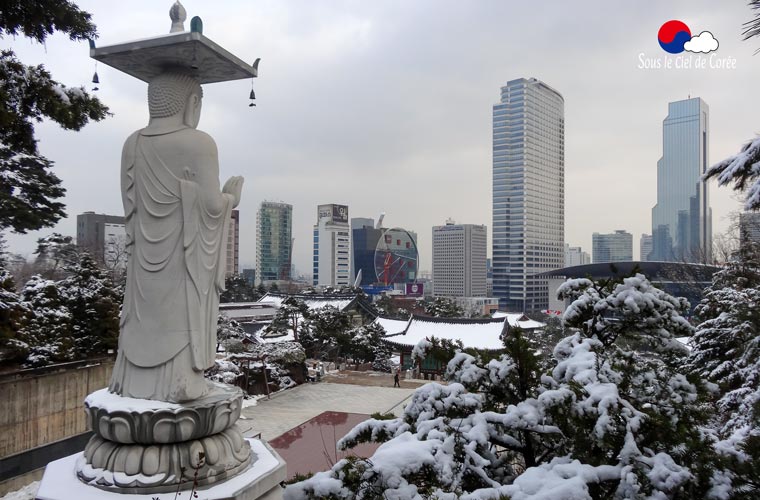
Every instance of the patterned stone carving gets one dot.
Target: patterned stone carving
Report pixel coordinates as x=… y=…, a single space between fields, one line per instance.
x=211 y=414
x=164 y=467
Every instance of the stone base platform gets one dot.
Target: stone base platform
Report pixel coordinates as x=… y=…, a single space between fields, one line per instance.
x=261 y=481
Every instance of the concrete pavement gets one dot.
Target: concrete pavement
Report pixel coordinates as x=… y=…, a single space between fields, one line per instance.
x=292 y=407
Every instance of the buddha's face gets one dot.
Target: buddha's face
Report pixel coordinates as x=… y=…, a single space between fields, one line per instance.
x=193 y=110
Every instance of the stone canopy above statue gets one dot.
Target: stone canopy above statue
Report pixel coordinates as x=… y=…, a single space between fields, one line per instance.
x=188 y=51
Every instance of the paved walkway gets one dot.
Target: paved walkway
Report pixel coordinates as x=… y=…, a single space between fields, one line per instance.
x=292 y=407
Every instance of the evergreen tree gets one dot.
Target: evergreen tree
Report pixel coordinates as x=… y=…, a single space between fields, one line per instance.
x=47 y=330
x=291 y=312
x=367 y=344
x=326 y=328
x=237 y=289
x=56 y=253
x=28 y=94
x=13 y=313
x=442 y=307
x=607 y=421
x=93 y=302
x=227 y=331
x=726 y=351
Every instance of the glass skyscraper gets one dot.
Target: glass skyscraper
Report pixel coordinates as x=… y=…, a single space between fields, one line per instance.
x=682 y=217
x=274 y=223
x=528 y=192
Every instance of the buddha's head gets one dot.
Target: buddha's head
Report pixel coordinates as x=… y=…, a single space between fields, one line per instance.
x=174 y=93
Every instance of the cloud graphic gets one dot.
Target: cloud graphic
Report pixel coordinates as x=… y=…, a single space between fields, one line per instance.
x=704 y=42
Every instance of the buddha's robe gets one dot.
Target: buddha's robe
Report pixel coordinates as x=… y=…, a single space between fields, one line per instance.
x=177 y=222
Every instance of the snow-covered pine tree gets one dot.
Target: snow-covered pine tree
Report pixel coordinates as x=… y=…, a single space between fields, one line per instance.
x=367 y=345
x=47 y=330
x=13 y=313
x=291 y=312
x=93 y=302
x=742 y=171
x=443 y=307
x=726 y=351
x=227 y=331
x=28 y=94
x=612 y=419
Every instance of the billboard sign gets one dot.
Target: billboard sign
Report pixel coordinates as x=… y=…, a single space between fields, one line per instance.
x=415 y=289
x=336 y=213
x=340 y=213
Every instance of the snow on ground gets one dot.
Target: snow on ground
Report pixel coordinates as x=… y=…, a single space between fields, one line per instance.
x=252 y=400
x=28 y=492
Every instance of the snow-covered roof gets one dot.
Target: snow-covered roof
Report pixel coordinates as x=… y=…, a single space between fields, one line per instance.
x=248 y=311
x=478 y=334
x=519 y=319
x=312 y=303
x=273 y=339
x=392 y=326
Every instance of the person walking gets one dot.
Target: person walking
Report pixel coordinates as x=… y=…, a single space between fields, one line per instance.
x=396 y=379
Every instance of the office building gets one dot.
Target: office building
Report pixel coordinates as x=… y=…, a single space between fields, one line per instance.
x=459 y=260
x=575 y=256
x=104 y=236
x=749 y=228
x=332 y=246
x=528 y=192
x=274 y=226
x=613 y=247
x=364 y=238
x=233 y=244
x=645 y=247
x=249 y=275
x=682 y=217
x=384 y=257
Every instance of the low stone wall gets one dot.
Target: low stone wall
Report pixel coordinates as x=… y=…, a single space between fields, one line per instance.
x=42 y=406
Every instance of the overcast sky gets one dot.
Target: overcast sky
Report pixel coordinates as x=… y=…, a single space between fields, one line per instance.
x=385 y=106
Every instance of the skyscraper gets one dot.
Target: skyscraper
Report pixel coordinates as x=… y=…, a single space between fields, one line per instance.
x=459 y=260
x=682 y=217
x=612 y=247
x=104 y=236
x=575 y=256
x=274 y=222
x=749 y=228
x=332 y=246
x=645 y=246
x=528 y=192
x=233 y=244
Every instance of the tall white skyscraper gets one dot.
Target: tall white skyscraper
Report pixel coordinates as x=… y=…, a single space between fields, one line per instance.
x=528 y=192
x=459 y=260
x=332 y=246
x=682 y=217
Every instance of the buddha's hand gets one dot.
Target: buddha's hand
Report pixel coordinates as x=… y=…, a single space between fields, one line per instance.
x=234 y=186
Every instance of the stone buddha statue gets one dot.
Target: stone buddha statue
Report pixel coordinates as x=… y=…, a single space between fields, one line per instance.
x=177 y=220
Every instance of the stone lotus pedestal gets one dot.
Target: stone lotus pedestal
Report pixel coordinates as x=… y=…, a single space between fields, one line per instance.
x=145 y=446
